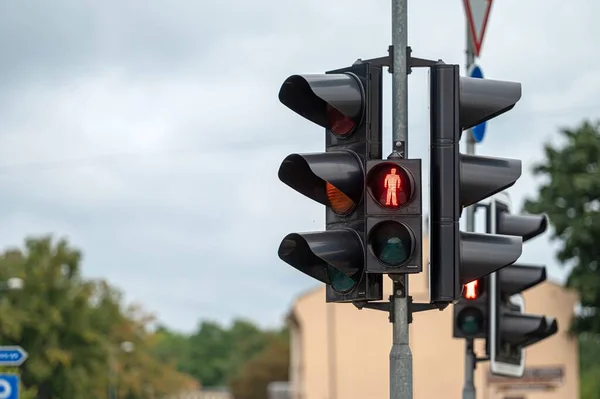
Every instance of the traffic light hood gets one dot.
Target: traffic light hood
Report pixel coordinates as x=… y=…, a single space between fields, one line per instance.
x=333 y=257
x=482 y=254
x=482 y=177
x=310 y=95
x=309 y=174
x=484 y=99
x=526 y=226
x=516 y=278
x=522 y=330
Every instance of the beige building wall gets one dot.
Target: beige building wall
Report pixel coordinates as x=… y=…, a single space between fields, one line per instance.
x=340 y=352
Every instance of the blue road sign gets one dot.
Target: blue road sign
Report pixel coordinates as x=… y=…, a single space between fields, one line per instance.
x=9 y=386
x=478 y=131
x=12 y=356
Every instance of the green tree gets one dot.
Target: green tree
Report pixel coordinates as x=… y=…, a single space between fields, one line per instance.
x=72 y=327
x=269 y=365
x=589 y=359
x=570 y=196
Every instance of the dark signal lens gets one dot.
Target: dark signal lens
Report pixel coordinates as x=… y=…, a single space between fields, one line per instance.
x=390 y=185
x=341 y=282
x=339 y=124
x=470 y=321
x=392 y=243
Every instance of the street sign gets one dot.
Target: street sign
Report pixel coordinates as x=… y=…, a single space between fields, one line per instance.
x=12 y=356
x=9 y=386
x=478 y=131
x=477 y=12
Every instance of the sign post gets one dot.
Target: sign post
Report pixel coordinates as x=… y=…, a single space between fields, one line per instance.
x=477 y=13
x=478 y=132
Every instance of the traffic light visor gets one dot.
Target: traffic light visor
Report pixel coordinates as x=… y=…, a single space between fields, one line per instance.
x=484 y=99
x=333 y=257
x=333 y=101
x=334 y=179
x=390 y=185
x=392 y=243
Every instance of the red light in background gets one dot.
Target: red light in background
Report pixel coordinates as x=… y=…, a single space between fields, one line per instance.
x=471 y=290
x=338 y=122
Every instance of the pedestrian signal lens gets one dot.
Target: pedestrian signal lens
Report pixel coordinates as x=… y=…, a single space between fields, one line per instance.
x=470 y=321
x=339 y=124
x=341 y=282
x=391 y=243
x=473 y=289
x=390 y=185
x=339 y=202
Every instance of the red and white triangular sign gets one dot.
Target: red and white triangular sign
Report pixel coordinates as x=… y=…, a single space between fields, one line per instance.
x=478 y=12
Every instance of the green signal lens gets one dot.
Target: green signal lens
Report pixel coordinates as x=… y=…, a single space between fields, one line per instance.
x=339 y=281
x=392 y=243
x=470 y=321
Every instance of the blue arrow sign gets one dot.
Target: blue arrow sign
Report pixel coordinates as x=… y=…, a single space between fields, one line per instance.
x=9 y=386
x=478 y=131
x=12 y=356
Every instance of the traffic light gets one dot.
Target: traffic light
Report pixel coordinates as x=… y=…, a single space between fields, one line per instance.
x=347 y=103
x=458 y=180
x=394 y=216
x=471 y=311
x=511 y=330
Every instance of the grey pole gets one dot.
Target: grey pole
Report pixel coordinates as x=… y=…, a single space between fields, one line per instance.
x=400 y=354
x=469 y=391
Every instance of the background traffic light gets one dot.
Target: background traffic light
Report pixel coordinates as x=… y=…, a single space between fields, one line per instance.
x=347 y=103
x=458 y=180
x=471 y=311
x=394 y=227
x=511 y=330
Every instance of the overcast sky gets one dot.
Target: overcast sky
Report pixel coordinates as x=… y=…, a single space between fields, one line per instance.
x=149 y=132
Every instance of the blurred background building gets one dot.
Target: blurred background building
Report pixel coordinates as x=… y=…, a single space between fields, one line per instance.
x=338 y=351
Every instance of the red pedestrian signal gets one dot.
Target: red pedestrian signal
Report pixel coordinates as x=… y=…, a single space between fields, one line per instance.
x=471 y=290
x=390 y=185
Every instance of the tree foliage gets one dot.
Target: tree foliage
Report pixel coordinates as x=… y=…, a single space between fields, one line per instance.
x=214 y=354
x=571 y=198
x=72 y=328
x=269 y=365
x=589 y=370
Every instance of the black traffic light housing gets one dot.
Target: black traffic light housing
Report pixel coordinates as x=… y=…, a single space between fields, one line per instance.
x=457 y=180
x=347 y=103
x=394 y=227
x=511 y=330
x=471 y=311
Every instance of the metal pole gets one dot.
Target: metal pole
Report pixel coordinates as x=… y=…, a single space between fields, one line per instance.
x=400 y=76
x=470 y=139
x=400 y=354
x=469 y=391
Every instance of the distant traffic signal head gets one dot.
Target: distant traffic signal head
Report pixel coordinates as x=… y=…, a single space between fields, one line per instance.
x=457 y=180
x=347 y=103
x=471 y=311
x=511 y=330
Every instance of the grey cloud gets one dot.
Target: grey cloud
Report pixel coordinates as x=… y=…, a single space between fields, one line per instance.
x=113 y=138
